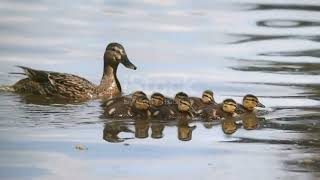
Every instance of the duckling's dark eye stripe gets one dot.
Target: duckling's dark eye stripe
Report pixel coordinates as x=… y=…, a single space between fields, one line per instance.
x=249 y=99
x=231 y=104
x=158 y=98
x=185 y=103
x=205 y=95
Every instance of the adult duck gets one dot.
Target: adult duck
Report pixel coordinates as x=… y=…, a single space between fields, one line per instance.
x=72 y=87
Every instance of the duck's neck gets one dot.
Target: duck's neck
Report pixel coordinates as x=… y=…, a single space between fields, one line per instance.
x=109 y=85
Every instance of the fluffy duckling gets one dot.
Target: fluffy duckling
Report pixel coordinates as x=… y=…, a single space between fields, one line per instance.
x=226 y=109
x=184 y=109
x=206 y=100
x=123 y=100
x=159 y=110
x=138 y=108
x=249 y=104
x=173 y=106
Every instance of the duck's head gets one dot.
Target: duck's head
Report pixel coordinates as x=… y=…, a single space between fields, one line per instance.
x=180 y=95
x=157 y=99
x=229 y=105
x=207 y=96
x=250 y=102
x=184 y=104
x=116 y=54
x=141 y=103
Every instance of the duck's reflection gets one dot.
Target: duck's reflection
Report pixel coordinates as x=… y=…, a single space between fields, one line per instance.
x=230 y=125
x=184 y=130
x=157 y=128
x=112 y=129
x=251 y=121
x=141 y=128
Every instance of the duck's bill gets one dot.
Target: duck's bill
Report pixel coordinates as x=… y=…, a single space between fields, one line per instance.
x=126 y=62
x=261 y=105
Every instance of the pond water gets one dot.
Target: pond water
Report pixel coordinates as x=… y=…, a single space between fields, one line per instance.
x=264 y=47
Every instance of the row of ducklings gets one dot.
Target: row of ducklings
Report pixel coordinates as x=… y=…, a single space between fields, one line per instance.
x=182 y=106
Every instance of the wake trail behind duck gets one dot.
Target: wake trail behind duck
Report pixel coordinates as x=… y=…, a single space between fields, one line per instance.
x=6 y=89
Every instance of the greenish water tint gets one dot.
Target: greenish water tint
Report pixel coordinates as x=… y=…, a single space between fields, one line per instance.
x=267 y=48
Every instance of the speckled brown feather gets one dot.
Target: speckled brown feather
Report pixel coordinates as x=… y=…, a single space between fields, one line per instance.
x=55 y=84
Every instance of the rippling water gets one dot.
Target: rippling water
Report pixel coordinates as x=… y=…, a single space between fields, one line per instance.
x=264 y=47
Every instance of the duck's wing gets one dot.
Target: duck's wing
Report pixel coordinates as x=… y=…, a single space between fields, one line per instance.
x=63 y=84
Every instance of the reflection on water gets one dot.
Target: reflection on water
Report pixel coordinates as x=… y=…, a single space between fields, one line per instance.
x=267 y=48
x=185 y=127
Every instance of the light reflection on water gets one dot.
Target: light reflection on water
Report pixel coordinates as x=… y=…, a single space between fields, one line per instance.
x=237 y=47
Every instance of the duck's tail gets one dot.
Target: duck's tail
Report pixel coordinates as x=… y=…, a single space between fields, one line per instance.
x=6 y=89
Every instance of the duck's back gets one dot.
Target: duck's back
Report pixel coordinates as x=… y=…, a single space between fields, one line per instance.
x=54 y=84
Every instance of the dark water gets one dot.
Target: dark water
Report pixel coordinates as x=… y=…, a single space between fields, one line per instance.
x=268 y=48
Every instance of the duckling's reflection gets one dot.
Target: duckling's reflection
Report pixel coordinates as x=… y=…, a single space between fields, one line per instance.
x=157 y=129
x=251 y=121
x=184 y=130
x=141 y=128
x=112 y=129
x=230 y=125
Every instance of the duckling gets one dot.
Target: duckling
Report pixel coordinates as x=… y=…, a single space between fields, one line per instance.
x=119 y=101
x=226 y=109
x=184 y=110
x=159 y=110
x=206 y=100
x=138 y=109
x=249 y=104
x=68 y=86
x=174 y=103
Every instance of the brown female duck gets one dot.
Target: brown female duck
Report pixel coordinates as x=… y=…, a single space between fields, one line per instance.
x=72 y=87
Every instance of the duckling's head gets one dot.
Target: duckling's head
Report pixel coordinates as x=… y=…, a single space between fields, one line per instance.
x=141 y=103
x=116 y=54
x=137 y=94
x=184 y=104
x=180 y=95
x=250 y=102
x=229 y=105
x=157 y=99
x=207 y=96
